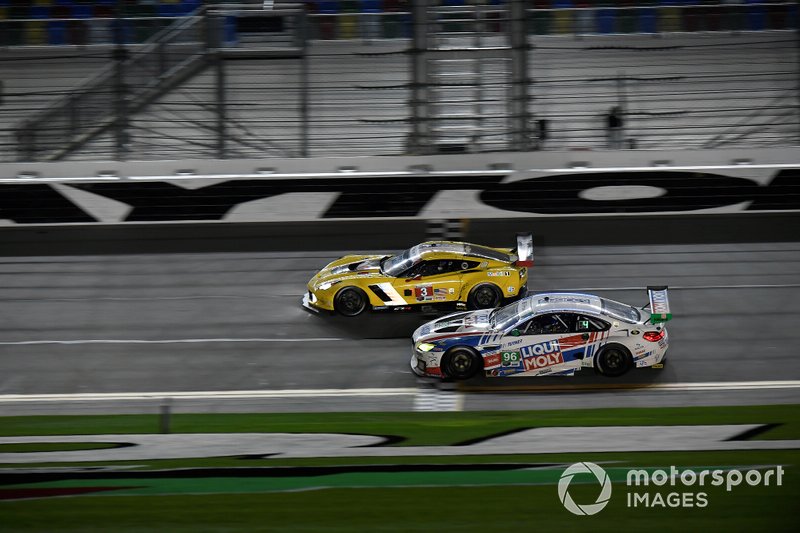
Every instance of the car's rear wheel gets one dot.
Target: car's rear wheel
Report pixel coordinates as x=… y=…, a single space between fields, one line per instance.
x=461 y=363
x=350 y=301
x=614 y=360
x=484 y=296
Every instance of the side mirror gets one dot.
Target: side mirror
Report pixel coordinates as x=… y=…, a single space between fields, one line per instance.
x=515 y=333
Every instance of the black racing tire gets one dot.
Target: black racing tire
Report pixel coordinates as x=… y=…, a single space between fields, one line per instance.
x=484 y=296
x=350 y=301
x=613 y=360
x=460 y=363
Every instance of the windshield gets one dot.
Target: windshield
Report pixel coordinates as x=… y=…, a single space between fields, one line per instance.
x=504 y=316
x=620 y=311
x=397 y=264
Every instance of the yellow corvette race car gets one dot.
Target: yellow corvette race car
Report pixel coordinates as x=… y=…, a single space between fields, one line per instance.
x=428 y=276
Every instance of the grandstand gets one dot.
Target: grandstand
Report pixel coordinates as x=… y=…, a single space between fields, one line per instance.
x=150 y=80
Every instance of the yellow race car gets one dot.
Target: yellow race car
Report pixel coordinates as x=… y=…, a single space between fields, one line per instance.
x=429 y=276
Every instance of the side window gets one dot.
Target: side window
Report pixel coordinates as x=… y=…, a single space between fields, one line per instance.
x=443 y=266
x=584 y=323
x=547 y=324
x=414 y=271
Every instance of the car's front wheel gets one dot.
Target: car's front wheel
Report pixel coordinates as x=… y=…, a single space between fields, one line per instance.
x=614 y=360
x=484 y=296
x=461 y=363
x=350 y=301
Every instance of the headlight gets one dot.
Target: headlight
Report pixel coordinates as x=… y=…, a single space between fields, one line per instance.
x=425 y=347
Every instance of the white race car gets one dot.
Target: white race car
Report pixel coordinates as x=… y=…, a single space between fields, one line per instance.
x=552 y=333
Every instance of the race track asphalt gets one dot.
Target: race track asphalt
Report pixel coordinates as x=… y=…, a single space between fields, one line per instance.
x=232 y=322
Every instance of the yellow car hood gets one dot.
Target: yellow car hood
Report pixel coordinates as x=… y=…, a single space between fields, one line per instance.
x=349 y=266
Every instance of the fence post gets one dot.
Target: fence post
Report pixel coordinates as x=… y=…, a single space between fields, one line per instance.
x=303 y=35
x=165 y=414
x=120 y=55
x=420 y=117
x=214 y=26
x=520 y=123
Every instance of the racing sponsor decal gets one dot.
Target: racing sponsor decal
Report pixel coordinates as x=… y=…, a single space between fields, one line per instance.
x=491 y=360
x=541 y=348
x=542 y=355
x=423 y=293
x=441 y=294
x=543 y=361
x=511 y=359
x=500 y=273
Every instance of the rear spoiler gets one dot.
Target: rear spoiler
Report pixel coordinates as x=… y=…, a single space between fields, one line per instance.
x=524 y=250
x=659 y=304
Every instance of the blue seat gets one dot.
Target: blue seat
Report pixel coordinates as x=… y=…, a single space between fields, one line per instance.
x=328 y=8
x=606 y=20
x=39 y=12
x=168 y=10
x=230 y=36
x=648 y=20
x=756 y=15
x=82 y=11
x=57 y=32
x=371 y=6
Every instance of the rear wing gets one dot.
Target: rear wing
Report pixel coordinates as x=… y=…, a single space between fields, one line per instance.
x=524 y=250
x=659 y=304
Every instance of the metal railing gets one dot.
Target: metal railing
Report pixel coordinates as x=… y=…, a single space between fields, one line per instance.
x=348 y=88
x=133 y=79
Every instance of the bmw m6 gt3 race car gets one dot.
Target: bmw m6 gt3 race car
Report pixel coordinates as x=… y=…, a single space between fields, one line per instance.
x=431 y=275
x=553 y=333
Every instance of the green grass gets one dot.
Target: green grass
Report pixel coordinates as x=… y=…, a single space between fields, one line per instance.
x=29 y=447
x=417 y=429
x=408 y=502
x=451 y=509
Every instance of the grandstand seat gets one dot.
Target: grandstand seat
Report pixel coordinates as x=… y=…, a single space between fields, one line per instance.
x=371 y=18
x=36 y=30
x=756 y=15
x=669 y=17
x=563 y=17
x=57 y=29
x=327 y=19
x=348 y=19
x=647 y=20
x=606 y=21
x=395 y=24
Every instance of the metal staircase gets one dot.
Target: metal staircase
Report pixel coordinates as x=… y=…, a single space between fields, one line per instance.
x=138 y=76
x=469 y=91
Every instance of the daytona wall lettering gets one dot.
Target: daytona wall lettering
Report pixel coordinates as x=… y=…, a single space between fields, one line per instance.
x=408 y=197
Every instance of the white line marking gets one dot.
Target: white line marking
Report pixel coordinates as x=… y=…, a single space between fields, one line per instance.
x=727 y=385
x=162 y=341
x=204 y=395
x=368 y=392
